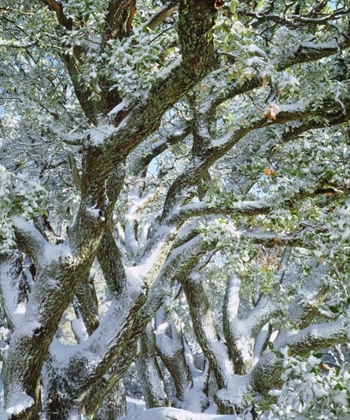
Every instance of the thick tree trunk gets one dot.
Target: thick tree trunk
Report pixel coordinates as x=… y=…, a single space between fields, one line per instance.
x=213 y=348
x=170 y=346
x=149 y=371
x=114 y=405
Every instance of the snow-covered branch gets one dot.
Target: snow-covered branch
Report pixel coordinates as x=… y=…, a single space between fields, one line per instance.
x=304 y=307
x=314 y=337
x=12 y=287
x=149 y=371
x=169 y=8
x=213 y=348
x=170 y=346
x=142 y=156
x=203 y=159
x=293 y=20
x=202 y=208
x=266 y=373
x=29 y=239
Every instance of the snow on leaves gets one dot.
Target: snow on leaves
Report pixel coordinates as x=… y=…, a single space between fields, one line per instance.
x=311 y=391
x=134 y=62
x=18 y=196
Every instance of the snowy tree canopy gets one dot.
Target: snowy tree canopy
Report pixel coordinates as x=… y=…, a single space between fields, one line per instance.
x=174 y=198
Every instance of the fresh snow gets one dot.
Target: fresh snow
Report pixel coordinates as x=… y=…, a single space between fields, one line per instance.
x=19 y=402
x=177 y=414
x=79 y=329
x=298 y=106
x=56 y=252
x=236 y=389
x=222 y=140
x=258 y=51
x=100 y=133
x=342 y=398
x=125 y=102
x=165 y=72
x=28 y=328
x=135 y=276
x=333 y=43
x=134 y=406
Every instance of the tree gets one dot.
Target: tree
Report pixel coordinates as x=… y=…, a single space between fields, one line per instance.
x=191 y=156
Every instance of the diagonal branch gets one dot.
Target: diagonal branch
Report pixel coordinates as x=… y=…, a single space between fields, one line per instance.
x=170 y=86
x=57 y=7
x=118 y=20
x=29 y=239
x=193 y=173
x=292 y=20
x=266 y=373
x=163 y=14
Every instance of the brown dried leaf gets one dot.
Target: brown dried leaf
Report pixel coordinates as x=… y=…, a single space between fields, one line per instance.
x=269 y=172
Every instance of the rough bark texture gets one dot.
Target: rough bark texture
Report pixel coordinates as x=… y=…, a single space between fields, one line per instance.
x=149 y=371
x=141 y=260
x=170 y=347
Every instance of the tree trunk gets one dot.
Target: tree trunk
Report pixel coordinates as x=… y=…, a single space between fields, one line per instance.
x=170 y=347
x=149 y=371
x=114 y=405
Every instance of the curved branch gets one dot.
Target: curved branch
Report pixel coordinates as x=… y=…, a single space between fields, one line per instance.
x=163 y=14
x=196 y=22
x=12 y=287
x=29 y=239
x=109 y=258
x=292 y=20
x=170 y=347
x=213 y=348
x=149 y=371
x=266 y=373
x=57 y=7
x=316 y=288
x=201 y=208
x=195 y=170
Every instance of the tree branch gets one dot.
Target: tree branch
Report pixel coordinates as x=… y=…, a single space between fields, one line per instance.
x=57 y=7
x=12 y=284
x=163 y=14
x=266 y=373
x=29 y=239
x=292 y=20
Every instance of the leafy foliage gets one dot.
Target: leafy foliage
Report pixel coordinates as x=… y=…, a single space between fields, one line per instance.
x=184 y=164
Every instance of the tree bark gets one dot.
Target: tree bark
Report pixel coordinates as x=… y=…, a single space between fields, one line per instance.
x=149 y=371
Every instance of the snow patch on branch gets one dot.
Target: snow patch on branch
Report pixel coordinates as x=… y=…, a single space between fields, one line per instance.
x=333 y=43
x=165 y=72
x=100 y=133
x=29 y=328
x=123 y=104
x=134 y=276
x=174 y=413
x=296 y=107
x=56 y=252
x=222 y=141
x=26 y=228
x=250 y=205
x=235 y=391
x=19 y=402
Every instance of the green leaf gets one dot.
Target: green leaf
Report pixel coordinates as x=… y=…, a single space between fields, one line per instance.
x=339 y=386
x=233 y=5
x=333 y=309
